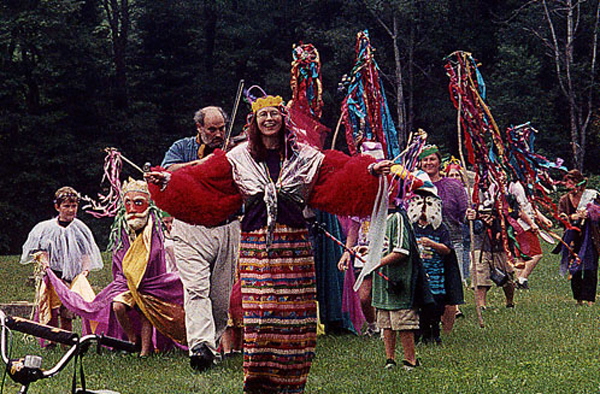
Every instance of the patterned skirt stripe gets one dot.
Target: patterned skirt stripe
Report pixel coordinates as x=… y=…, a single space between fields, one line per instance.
x=279 y=306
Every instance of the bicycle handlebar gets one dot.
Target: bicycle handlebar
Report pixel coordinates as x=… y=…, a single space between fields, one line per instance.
x=62 y=336
x=117 y=344
x=41 y=330
x=30 y=374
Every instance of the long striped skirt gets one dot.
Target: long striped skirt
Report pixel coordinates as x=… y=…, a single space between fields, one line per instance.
x=279 y=309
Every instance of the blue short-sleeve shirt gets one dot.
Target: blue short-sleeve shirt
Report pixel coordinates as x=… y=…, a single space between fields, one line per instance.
x=182 y=151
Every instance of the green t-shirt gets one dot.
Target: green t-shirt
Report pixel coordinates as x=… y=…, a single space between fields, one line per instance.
x=396 y=240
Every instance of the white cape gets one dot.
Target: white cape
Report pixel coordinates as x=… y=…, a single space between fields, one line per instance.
x=70 y=249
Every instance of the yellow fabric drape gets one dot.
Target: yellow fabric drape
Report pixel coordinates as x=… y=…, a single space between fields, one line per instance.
x=166 y=317
x=44 y=303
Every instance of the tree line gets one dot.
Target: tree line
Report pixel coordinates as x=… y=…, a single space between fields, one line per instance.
x=77 y=76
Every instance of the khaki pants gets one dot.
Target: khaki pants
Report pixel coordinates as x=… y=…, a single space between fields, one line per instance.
x=206 y=260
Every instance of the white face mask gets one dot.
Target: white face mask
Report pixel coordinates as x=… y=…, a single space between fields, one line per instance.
x=137 y=221
x=430 y=206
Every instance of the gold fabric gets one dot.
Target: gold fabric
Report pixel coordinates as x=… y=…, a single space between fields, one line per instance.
x=166 y=317
x=125 y=298
x=81 y=286
x=46 y=298
x=320 y=326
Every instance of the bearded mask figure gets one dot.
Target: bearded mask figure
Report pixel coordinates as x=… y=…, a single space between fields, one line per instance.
x=136 y=199
x=427 y=207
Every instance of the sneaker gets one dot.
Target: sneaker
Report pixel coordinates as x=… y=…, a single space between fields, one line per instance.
x=523 y=285
x=390 y=364
x=408 y=366
x=372 y=331
x=202 y=358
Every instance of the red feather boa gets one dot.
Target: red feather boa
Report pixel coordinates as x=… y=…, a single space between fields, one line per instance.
x=344 y=186
x=202 y=194
x=206 y=194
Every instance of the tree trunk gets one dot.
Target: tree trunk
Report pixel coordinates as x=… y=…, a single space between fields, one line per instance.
x=210 y=32
x=32 y=94
x=578 y=92
x=117 y=14
x=400 y=100
x=410 y=70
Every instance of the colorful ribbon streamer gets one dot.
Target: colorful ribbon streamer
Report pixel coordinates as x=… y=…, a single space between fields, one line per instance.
x=365 y=112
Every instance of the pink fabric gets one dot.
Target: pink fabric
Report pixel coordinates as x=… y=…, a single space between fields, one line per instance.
x=308 y=129
x=351 y=302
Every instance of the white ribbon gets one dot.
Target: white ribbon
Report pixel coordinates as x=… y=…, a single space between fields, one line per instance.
x=376 y=232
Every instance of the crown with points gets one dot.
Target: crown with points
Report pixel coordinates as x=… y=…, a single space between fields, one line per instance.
x=267 y=101
x=135 y=186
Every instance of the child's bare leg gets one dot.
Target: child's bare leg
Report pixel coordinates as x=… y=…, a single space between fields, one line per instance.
x=449 y=317
x=364 y=294
x=407 y=338
x=389 y=341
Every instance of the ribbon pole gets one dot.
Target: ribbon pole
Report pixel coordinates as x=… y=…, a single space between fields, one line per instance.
x=236 y=104
x=478 y=308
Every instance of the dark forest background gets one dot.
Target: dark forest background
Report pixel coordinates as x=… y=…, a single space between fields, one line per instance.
x=77 y=76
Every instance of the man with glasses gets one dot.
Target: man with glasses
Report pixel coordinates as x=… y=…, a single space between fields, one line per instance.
x=205 y=256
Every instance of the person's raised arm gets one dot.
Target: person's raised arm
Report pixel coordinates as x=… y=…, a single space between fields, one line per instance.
x=351 y=239
x=204 y=194
x=547 y=223
x=177 y=166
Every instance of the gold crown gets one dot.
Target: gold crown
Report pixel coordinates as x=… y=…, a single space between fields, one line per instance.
x=135 y=186
x=267 y=101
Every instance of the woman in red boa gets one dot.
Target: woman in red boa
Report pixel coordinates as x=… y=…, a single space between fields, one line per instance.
x=275 y=177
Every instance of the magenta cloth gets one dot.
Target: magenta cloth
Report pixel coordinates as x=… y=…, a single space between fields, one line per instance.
x=351 y=302
x=156 y=282
x=345 y=222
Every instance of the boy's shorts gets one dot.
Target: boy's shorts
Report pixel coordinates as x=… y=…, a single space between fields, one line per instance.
x=480 y=266
x=398 y=320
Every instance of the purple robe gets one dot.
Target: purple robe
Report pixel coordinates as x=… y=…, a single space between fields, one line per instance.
x=454 y=205
x=156 y=282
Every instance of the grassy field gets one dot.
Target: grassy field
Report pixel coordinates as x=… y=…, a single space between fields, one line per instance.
x=544 y=345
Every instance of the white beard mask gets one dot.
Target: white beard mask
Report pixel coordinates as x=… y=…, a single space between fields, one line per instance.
x=137 y=221
x=430 y=205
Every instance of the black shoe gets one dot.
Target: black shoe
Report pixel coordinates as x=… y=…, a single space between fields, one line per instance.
x=408 y=366
x=523 y=286
x=232 y=354
x=389 y=364
x=202 y=358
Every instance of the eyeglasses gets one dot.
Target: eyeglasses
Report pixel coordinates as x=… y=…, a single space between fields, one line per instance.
x=265 y=114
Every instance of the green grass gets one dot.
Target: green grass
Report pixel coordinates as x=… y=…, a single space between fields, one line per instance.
x=545 y=345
